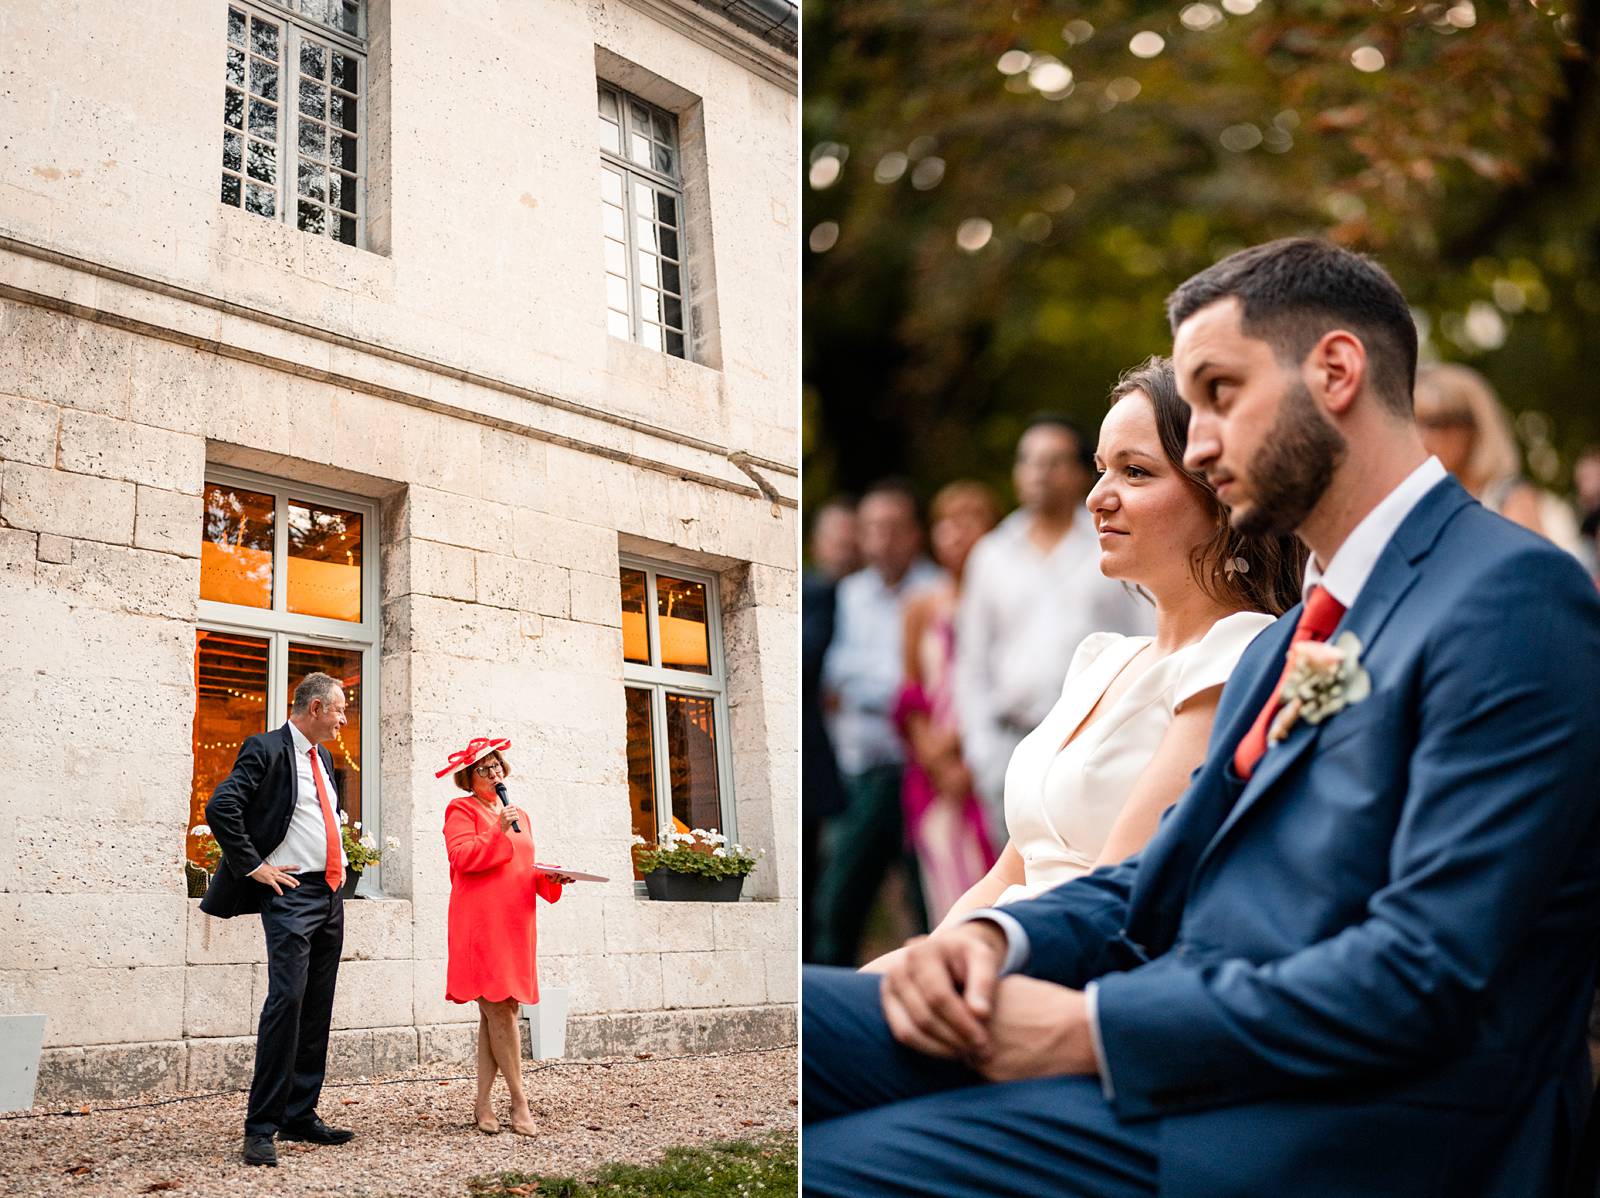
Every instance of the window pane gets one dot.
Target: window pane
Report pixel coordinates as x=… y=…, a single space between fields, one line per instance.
x=663 y=129
x=646 y=230
x=649 y=304
x=617 y=325
x=666 y=209
x=313 y=180
x=611 y=222
x=344 y=72
x=260 y=200
x=641 y=766
x=342 y=111
x=639 y=149
x=236 y=27
x=692 y=762
x=313 y=139
x=264 y=161
x=616 y=293
x=345 y=745
x=665 y=160
x=669 y=277
x=230 y=672
x=610 y=186
x=264 y=38
x=648 y=270
x=641 y=117
x=236 y=67
x=324 y=561
x=669 y=244
x=233 y=109
x=232 y=151
x=264 y=120
x=616 y=257
x=608 y=103
x=312 y=99
x=675 y=345
x=672 y=307
x=230 y=190
x=313 y=60
x=263 y=79
x=347 y=230
x=236 y=550
x=681 y=612
x=650 y=336
x=343 y=153
x=312 y=217
x=635 y=627
x=342 y=190
x=610 y=137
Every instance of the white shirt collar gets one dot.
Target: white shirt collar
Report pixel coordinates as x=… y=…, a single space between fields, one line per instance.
x=1351 y=566
x=302 y=743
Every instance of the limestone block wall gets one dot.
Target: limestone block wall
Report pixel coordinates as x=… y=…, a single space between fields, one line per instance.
x=499 y=614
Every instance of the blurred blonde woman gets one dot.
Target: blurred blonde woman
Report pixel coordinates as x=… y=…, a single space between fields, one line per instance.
x=1465 y=426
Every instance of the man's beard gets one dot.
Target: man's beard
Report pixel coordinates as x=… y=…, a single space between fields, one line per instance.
x=1292 y=469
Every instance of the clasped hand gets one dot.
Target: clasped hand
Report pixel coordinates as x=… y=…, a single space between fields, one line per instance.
x=943 y=996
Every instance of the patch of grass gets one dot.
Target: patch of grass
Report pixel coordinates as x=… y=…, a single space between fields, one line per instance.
x=768 y=1167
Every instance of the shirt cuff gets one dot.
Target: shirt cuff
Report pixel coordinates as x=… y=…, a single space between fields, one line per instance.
x=1016 y=939
x=1091 y=1000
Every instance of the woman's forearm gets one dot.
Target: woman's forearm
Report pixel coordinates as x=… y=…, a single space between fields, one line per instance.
x=1008 y=871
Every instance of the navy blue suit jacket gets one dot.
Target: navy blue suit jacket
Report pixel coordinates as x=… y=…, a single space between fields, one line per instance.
x=249 y=815
x=1368 y=969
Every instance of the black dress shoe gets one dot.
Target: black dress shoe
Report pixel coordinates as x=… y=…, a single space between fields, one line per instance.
x=259 y=1150
x=315 y=1131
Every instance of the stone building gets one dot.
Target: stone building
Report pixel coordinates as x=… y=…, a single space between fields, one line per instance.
x=449 y=348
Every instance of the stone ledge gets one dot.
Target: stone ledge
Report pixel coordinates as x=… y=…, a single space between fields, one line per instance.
x=68 y=1076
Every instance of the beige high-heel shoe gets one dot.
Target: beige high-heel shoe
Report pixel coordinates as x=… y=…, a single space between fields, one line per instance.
x=529 y=1128
x=489 y=1126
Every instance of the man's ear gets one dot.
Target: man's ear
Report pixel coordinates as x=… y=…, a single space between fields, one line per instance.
x=1337 y=369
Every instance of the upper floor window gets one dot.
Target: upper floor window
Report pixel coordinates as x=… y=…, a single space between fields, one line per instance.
x=293 y=114
x=641 y=196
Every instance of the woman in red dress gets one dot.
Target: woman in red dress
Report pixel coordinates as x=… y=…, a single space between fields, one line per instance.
x=493 y=888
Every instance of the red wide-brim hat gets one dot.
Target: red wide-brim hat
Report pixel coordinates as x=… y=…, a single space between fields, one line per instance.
x=477 y=749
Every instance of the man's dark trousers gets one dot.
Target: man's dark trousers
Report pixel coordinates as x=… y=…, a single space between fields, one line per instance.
x=305 y=932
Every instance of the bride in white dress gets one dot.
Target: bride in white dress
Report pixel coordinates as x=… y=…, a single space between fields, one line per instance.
x=1088 y=785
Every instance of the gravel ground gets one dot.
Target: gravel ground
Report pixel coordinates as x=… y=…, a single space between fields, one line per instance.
x=414 y=1135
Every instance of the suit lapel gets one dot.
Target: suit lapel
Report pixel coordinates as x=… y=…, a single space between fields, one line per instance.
x=1394 y=574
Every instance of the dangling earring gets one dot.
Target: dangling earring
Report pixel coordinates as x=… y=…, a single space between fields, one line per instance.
x=1235 y=565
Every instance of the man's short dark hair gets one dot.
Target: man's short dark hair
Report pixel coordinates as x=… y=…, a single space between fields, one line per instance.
x=1085 y=451
x=314 y=686
x=898 y=488
x=1295 y=290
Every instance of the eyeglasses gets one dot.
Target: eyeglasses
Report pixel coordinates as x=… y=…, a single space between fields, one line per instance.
x=487 y=768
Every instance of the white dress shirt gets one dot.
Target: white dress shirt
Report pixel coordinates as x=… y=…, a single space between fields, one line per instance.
x=865 y=664
x=1343 y=578
x=306 y=842
x=1023 y=615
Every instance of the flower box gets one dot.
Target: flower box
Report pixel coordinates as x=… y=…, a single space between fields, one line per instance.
x=667 y=886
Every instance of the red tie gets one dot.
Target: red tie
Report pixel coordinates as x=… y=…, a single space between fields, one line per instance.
x=1318 y=619
x=330 y=825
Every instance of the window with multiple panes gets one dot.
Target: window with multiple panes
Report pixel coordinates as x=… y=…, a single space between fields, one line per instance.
x=293 y=114
x=641 y=198
x=288 y=586
x=676 y=709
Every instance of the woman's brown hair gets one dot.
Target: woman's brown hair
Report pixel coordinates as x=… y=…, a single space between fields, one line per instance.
x=1249 y=573
x=463 y=777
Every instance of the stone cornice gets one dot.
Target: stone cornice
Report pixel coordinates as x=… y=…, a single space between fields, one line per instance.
x=573 y=425
x=727 y=39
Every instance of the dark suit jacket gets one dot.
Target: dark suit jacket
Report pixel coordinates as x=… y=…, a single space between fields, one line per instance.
x=1368 y=969
x=823 y=794
x=249 y=815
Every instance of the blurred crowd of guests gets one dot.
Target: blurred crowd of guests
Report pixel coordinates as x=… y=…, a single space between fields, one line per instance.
x=934 y=642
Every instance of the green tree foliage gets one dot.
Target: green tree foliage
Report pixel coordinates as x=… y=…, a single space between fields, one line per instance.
x=1000 y=196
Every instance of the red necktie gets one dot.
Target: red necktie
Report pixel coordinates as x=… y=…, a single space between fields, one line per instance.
x=1318 y=619
x=330 y=825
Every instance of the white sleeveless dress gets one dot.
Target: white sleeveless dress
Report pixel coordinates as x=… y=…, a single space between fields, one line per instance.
x=1062 y=802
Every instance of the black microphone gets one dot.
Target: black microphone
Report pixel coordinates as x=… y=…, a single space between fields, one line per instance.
x=500 y=789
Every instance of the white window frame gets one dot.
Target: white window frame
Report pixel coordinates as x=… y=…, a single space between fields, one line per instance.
x=295 y=27
x=633 y=172
x=660 y=681
x=279 y=627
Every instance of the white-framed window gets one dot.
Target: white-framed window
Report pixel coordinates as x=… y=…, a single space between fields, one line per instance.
x=641 y=203
x=294 y=114
x=679 y=774
x=288 y=586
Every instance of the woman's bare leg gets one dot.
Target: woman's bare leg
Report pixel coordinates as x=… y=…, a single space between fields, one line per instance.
x=483 y=1108
x=507 y=1043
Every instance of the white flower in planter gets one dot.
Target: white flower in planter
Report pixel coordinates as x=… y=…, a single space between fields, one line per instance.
x=200 y=830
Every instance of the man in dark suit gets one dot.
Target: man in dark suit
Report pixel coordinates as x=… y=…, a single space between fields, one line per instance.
x=1357 y=956
x=275 y=818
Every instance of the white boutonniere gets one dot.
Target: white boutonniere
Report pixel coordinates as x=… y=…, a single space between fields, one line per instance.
x=1323 y=679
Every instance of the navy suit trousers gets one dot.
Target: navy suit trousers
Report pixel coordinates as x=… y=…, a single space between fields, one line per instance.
x=881 y=1119
x=305 y=933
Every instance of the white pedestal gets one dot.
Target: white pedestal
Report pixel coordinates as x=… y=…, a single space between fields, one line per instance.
x=21 y=1038
x=547 y=1023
